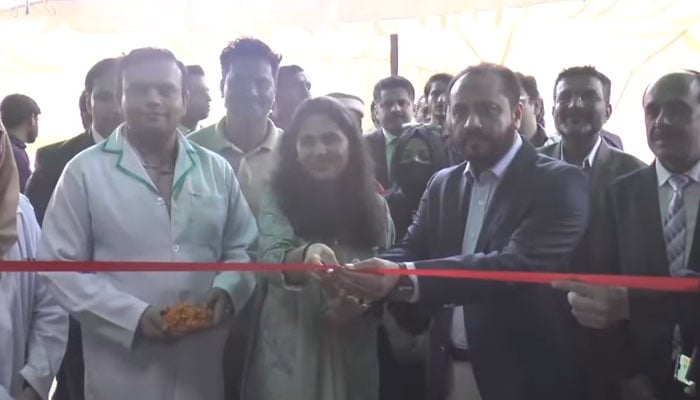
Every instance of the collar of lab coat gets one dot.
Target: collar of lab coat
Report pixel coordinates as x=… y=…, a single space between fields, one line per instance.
x=129 y=163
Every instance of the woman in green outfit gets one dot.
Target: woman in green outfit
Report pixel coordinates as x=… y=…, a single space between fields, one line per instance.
x=313 y=341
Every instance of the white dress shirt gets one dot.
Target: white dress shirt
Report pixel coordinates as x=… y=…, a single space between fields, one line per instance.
x=482 y=192
x=691 y=199
x=483 y=188
x=590 y=158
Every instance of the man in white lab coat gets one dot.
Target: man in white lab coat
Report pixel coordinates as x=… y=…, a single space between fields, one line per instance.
x=33 y=336
x=148 y=194
x=33 y=327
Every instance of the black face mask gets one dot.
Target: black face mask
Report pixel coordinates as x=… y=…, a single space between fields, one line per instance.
x=413 y=177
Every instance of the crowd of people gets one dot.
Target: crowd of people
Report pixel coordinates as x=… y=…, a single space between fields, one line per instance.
x=466 y=177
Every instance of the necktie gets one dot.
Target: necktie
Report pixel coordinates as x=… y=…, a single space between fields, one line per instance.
x=675 y=225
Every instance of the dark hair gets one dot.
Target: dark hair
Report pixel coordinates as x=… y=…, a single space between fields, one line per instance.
x=248 y=47
x=146 y=55
x=82 y=102
x=340 y=95
x=102 y=67
x=510 y=85
x=16 y=109
x=287 y=71
x=529 y=85
x=195 y=70
x=394 y=82
x=357 y=218
x=587 y=71
x=441 y=77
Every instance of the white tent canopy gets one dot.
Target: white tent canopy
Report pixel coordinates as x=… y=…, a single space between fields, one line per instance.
x=344 y=44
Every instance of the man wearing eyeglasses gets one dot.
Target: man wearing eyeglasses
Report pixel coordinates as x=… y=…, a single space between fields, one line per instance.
x=394 y=98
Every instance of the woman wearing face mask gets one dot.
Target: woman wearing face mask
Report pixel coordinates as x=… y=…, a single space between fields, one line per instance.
x=314 y=342
x=419 y=154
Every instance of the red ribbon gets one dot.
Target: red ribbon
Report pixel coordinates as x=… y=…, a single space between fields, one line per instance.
x=656 y=283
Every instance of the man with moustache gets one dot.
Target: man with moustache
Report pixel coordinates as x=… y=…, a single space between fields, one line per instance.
x=146 y=194
x=654 y=214
x=393 y=99
x=247 y=139
x=245 y=136
x=580 y=111
x=434 y=92
x=507 y=208
x=101 y=104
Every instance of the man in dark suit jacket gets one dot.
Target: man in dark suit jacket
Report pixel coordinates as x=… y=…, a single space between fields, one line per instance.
x=648 y=225
x=508 y=208
x=579 y=124
x=612 y=139
x=100 y=89
x=100 y=94
x=393 y=97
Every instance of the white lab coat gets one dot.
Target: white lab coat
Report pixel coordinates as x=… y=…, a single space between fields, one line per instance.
x=28 y=233
x=106 y=208
x=33 y=334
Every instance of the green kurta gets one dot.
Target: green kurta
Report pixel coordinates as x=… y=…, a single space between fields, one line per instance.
x=300 y=353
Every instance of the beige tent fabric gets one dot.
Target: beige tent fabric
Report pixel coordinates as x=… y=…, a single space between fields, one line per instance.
x=104 y=16
x=346 y=48
x=9 y=195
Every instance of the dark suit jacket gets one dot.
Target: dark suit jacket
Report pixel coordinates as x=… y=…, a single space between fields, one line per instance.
x=641 y=250
x=612 y=139
x=517 y=333
x=599 y=370
x=610 y=164
x=377 y=150
x=49 y=164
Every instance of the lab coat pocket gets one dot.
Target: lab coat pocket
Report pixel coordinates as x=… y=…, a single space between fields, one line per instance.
x=207 y=218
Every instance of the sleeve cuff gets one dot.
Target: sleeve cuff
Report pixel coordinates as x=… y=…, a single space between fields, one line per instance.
x=238 y=285
x=132 y=325
x=414 y=279
x=39 y=382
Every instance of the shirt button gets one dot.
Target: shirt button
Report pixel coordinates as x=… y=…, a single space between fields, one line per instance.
x=481 y=202
x=160 y=201
x=176 y=248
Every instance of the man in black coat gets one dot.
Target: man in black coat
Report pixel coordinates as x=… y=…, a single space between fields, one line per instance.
x=506 y=208
x=101 y=104
x=654 y=222
x=393 y=99
x=581 y=108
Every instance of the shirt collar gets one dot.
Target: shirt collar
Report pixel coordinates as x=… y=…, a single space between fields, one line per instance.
x=388 y=136
x=17 y=143
x=222 y=142
x=96 y=136
x=500 y=167
x=590 y=158
x=663 y=175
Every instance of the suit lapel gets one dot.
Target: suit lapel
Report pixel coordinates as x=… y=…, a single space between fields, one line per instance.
x=650 y=227
x=601 y=165
x=378 y=148
x=694 y=256
x=513 y=185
